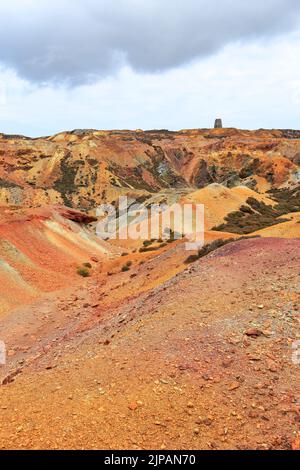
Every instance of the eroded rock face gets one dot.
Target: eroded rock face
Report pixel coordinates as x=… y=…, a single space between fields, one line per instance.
x=76 y=216
x=83 y=169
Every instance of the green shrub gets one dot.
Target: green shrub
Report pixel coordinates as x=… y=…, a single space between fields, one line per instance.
x=87 y=265
x=83 y=271
x=288 y=200
x=125 y=268
x=246 y=209
x=256 y=216
x=191 y=259
x=145 y=249
x=173 y=235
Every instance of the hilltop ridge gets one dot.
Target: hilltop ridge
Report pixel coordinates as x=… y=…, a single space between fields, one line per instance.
x=83 y=168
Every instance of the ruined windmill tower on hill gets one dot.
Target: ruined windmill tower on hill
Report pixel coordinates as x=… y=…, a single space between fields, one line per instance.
x=218 y=124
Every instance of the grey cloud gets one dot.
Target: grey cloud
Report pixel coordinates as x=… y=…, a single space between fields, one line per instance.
x=75 y=41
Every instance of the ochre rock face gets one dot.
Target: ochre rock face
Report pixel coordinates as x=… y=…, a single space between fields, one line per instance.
x=81 y=169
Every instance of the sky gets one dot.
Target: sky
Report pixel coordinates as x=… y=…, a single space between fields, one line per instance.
x=148 y=64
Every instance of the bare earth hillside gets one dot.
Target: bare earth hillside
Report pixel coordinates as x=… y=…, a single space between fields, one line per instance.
x=140 y=344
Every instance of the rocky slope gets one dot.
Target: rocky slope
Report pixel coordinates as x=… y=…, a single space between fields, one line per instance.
x=158 y=358
x=83 y=168
x=141 y=344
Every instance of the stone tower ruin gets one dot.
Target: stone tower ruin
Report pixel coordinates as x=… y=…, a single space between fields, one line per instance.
x=218 y=124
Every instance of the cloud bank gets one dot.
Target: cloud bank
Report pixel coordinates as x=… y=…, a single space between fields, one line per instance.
x=78 y=41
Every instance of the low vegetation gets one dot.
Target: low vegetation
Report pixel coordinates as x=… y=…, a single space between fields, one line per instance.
x=126 y=267
x=148 y=244
x=5 y=184
x=210 y=247
x=145 y=249
x=87 y=265
x=83 y=271
x=288 y=200
x=206 y=249
x=254 y=216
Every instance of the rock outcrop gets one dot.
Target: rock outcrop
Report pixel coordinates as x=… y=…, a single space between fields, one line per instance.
x=82 y=169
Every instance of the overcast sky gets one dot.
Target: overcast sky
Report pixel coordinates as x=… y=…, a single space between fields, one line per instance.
x=147 y=64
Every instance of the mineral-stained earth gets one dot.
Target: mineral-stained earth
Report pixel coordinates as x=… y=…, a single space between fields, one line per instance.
x=140 y=344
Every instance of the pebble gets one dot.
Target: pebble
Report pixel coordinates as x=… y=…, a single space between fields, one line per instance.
x=254 y=332
x=233 y=386
x=133 y=406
